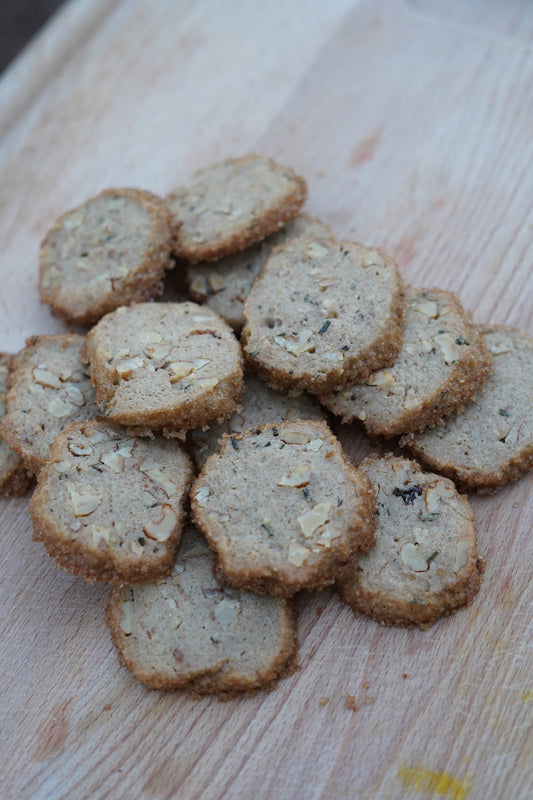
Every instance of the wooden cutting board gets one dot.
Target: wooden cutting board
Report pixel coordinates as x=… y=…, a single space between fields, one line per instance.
x=413 y=124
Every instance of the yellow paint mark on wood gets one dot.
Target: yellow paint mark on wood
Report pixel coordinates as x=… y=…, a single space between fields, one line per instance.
x=438 y=783
x=527 y=696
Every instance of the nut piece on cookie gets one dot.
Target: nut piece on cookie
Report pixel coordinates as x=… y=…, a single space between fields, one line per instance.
x=232 y=205
x=283 y=508
x=259 y=406
x=491 y=442
x=110 y=251
x=165 y=366
x=49 y=388
x=110 y=506
x=442 y=364
x=425 y=563
x=186 y=631
x=14 y=478
x=323 y=314
x=224 y=285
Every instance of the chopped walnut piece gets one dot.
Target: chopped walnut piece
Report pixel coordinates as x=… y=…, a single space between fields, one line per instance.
x=297 y=554
x=160 y=531
x=83 y=503
x=412 y=558
x=314 y=518
x=300 y=476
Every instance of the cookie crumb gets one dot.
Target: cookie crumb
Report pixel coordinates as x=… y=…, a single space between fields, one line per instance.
x=349 y=702
x=323 y=701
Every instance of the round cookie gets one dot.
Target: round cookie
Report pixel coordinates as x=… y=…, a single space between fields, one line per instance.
x=110 y=251
x=186 y=631
x=282 y=508
x=442 y=364
x=491 y=442
x=110 y=506
x=14 y=478
x=165 y=366
x=322 y=315
x=425 y=563
x=49 y=388
x=224 y=285
x=230 y=206
x=259 y=406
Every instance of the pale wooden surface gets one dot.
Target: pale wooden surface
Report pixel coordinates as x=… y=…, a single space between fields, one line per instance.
x=413 y=124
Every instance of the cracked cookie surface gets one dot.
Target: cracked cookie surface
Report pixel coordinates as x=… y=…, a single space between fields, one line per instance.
x=491 y=442
x=14 y=478
x=110 y=251
x=49 y=388
x=165 y=366
x=232 y=205
x=323 y=314
x=283 y=508
x=442 y=364
x=110 y=506
x=225 y=284
x=425 y=563
x=186 y=631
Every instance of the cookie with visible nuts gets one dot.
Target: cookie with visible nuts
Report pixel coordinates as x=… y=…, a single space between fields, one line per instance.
x=322 y=315
x=232 y=205
x=442 y=364
x=259 y=405
x=491 y=442
x=14 y=478
x=110 y=251
x=165 y=366
x=49 y=387
x=110 y=506
x=283 y=508
x=187 y=631
x=425 y=562
x=224 y=285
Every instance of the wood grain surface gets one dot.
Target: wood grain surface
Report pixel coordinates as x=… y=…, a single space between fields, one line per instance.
x=413 y=125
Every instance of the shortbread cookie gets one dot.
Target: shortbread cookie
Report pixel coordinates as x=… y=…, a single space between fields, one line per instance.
x=283 y=508
x=442 y=364
x=189 y=632
x=165 y=366
x=322 y=315
x=110 y=251
x=224 y=285
x=110 y=506
x=230 y=206
x=49 y=388
x=14 y=478
x=259 y=406
x=491 y=442
x=425 y=563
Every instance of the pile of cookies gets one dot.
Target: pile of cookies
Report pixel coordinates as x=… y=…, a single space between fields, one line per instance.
x=198 y=474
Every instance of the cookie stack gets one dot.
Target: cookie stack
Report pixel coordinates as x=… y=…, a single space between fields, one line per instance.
x=114 y=425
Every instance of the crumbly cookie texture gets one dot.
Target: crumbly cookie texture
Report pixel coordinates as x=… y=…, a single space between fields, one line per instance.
x=14 y=478
x=110 y=251
x=283 y=509
x=232 y=205
x=425 y=562
x=441 y=366
x=322 y=315
x=491 y=442
x=49 y=388
x=165 y=366
x=224 y=285
x=187 y=631
x=110 y=506
x=259 y=406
